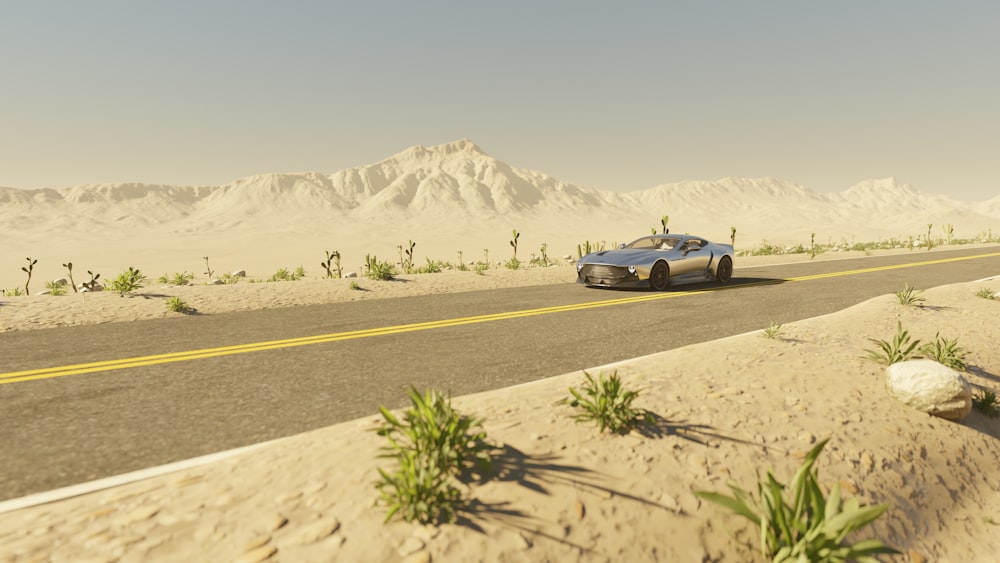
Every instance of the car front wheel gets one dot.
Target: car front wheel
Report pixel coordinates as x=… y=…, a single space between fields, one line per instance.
x=659 y=277
x=724 y=271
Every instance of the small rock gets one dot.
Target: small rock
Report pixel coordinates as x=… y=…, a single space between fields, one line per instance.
x=259 y=554
x=351 y=275
x=807 y=438
x=239 y=274
x=61 y=282
x=410 y=546
x=581 y=510
x=930 y=387
x=670 y=503
x=256 y=542
x=313 y=532
x=216 y=282
x=419 y=557
x=277 y=522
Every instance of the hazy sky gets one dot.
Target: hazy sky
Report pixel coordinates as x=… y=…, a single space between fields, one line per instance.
x=614 y=95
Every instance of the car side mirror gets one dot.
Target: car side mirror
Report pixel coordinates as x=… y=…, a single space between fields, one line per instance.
x=622 y=245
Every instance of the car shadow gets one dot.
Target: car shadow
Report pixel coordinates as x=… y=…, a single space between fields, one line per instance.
x=734 y=283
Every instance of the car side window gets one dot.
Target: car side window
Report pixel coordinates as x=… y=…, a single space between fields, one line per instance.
x=643 y=243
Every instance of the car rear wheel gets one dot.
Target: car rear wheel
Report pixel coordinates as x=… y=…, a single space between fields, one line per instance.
x=724 y=271
x=659 y=276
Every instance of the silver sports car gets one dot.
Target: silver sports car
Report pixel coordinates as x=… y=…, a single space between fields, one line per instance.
x=657 y=261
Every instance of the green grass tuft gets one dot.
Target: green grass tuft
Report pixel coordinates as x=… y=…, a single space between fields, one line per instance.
x=606 y=402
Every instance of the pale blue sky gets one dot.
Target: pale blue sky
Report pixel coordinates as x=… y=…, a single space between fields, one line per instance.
x=615 y=95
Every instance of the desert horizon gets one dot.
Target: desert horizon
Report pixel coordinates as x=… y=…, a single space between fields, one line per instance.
x=447 y=199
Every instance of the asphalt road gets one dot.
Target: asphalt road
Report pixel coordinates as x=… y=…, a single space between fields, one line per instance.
x=58 y=431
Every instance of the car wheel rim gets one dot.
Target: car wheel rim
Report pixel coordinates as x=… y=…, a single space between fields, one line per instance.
x=725 y=270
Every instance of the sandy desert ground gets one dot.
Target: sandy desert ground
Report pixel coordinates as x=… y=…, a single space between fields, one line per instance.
x=724 y=410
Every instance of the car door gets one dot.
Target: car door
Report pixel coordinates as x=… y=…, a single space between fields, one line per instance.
x=694 y=258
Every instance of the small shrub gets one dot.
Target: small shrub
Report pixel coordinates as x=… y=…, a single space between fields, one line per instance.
x=179 y=278
x=513 y=263
x=55 y=288
x=177 y=305
x=92 y=284
x=284 y=275
x=16 y=292
x=229 y=279
x=332 y=264
x=986 y=402
x=208 y=269
x=127 y=282
x=433 y=446
x=69 y=270
x=899 y=350
x=377 y=270
x=481 y=268
x=945 y=352
x=432 y=267
x=909 y=296
x=406 y=257
x=606 y=402
x=28 y=269
x=986 y=293
x=772 y=330
x=513 y=243
x=811 y=527
x=461 y=263
x=354 y=285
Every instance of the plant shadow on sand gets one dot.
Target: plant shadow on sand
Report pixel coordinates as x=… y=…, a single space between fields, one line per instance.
x=539 y=473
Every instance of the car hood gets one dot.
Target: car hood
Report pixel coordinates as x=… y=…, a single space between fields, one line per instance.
x=624 y=256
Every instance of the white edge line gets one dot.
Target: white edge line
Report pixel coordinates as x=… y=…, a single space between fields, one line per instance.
x=88 y=487
x=64 y=493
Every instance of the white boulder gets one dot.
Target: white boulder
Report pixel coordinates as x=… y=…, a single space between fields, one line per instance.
x=930 y=387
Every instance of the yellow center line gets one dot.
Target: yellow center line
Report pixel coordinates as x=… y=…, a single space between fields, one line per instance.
x=109 y=365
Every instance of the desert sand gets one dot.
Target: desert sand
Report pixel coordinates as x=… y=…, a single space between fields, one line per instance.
x=725 y=409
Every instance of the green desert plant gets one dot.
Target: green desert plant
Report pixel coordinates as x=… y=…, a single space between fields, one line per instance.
x=332 y=264
x=377 y=270
x=901 y=348
x=807 y=526
x=208 y=269
x=587 y=247
x=663 y=221
x=513 y=243
x=28 y=269
x=55 y=288
x=432 y=267
x=354 y=285
x=909 y=296
x=179 y=278
x=545 y=254
x=283 y=274
x=772 y=330
x=986 y=293
x=481 y=268
x=177 y=305
x=986 y=402
x=15 y=292
x=945 y=352
x=126 y=282
x=606 y=402
x=434 y=446
x=930 y=243
x=732 y=236
x=652 y=230
x=812 y=246
x=229 y=279
x=461 y=263
x=486 y=256
x=949 y=232
x=92 y=284
x=69 y=270
x=406 y=263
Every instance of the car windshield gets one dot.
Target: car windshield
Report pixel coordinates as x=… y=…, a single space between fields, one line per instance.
x=657 y=243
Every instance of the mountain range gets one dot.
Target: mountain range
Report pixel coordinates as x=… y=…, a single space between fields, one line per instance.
x=455 y=196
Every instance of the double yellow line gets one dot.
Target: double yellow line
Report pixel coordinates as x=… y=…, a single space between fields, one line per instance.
x=110 y=365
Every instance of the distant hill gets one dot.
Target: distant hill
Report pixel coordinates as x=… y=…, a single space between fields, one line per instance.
x=449 y=198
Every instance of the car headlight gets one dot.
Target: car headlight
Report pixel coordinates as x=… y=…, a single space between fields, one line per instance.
x=579 y=266
x=631 y=269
